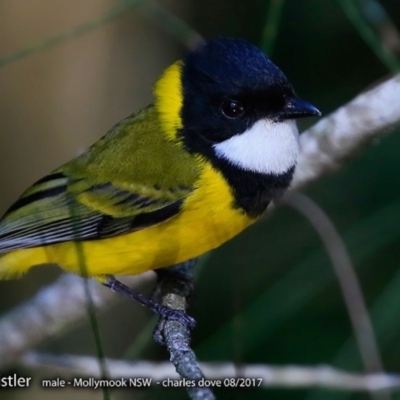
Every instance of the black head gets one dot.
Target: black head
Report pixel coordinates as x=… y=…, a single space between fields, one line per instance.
x=228 y=85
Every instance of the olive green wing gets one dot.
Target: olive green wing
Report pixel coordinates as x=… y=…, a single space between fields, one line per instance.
x=130 y=179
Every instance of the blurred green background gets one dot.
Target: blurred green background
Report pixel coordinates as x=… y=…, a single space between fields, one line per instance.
x=270 y=295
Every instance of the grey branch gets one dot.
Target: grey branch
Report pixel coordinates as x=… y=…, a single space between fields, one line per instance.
x=53 y=310
x=174 y=287
x=268 y=376
x=324 y=146
x=337 y=137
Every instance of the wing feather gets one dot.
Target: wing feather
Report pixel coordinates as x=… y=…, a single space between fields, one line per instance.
x=56 y=215
x=130 y=179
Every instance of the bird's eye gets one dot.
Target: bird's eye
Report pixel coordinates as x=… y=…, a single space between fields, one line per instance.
x=232 y=109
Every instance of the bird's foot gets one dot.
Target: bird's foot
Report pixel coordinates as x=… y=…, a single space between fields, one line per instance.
x=165 y=313
x=168 y=315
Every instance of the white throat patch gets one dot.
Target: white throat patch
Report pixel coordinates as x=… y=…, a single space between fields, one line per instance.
x=267 y=147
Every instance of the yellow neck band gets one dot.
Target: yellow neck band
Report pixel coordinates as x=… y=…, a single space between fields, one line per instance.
x=169 y=99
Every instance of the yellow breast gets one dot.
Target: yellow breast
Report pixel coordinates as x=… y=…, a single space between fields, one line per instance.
x=206 y=220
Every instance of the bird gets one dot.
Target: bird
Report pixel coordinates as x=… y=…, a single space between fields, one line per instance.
x=171 y=182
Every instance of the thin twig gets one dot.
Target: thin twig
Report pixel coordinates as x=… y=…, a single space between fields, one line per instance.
x=271 y=27
x=379 y=18
x=71 y=33
x=373 y=41
x=349 y=284
x=172 y=24
x=265 y=376
x=91 y=311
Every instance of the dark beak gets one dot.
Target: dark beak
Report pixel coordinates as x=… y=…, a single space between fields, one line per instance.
x=297 y=108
